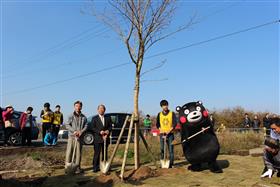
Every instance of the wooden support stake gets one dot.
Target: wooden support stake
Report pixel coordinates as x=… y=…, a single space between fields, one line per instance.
x=118 y=142
x=136 y=146
x=127 y=146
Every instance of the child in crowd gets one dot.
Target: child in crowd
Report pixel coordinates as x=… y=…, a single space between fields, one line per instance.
x=50 y=138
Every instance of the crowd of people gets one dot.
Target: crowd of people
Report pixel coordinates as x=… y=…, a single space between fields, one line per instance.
x=166 y=121
x=102 y=127
x=255 y=124
x=51 y=122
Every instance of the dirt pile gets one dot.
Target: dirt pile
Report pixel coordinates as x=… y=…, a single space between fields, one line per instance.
x=143 y=172
x=107 y=180
x=138 y=175
x=131 y=175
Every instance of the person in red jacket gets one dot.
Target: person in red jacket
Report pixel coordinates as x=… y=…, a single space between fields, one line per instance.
x=26 y=121
x=7 y=120
x=8 y=116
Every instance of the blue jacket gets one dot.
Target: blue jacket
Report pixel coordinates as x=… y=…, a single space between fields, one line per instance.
x=50 y=139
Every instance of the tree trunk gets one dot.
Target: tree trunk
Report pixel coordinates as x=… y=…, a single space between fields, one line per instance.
x=136 y=114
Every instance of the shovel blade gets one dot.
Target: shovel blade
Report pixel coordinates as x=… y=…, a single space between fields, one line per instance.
x=71 y=168
x=104 y=167
x=165 y=163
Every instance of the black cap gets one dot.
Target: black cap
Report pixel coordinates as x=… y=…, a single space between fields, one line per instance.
x=29 y=109
x=47 y=105
x=275 y=121
x=163 y=102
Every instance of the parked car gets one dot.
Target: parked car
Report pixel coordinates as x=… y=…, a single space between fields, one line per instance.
x=117 y=123
x=14 y=134
x=63 y=134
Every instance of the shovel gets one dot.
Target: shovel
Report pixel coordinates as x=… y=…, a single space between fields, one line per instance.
x=104 y=165
x=72 y=166
x=164 y=163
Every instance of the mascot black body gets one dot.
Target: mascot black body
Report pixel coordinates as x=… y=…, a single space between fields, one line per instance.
x=203 y=148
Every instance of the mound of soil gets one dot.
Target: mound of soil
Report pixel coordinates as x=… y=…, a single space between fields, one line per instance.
x=143 y=173
x=140 y=174
x=109 y=180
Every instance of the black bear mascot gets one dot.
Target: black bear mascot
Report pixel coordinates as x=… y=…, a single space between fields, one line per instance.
x=198 y=147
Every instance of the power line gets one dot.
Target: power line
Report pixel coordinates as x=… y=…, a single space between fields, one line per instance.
x=69 y=43
x=66 y=80
x=57 y=66
x=159 y=54
x=51 y=51
x=63 y=45
x=213 y=39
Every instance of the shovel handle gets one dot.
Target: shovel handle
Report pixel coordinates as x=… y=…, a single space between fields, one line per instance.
x=203 y=129
x=104 y=149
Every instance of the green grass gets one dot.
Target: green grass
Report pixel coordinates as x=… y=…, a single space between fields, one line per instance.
x=235 y=141
x=35 y=155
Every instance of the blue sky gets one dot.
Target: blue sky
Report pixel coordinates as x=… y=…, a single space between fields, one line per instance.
x=241 y=70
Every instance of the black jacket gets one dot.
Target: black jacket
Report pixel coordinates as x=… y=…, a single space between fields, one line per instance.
x=97 y=126
x=266 y=122
x=247 y=123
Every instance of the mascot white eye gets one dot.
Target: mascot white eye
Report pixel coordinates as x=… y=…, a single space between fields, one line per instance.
x=186 y=111
x=198 y=108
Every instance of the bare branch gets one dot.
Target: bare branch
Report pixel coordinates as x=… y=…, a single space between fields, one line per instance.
x=151 y=40
x=123 y=12
x=145 y=9
x=130 y=50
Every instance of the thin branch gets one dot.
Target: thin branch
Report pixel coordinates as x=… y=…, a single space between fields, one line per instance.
x=148 y=4
x=151 y=41
x=123 y=13
x=130 y=52
x=132 y=9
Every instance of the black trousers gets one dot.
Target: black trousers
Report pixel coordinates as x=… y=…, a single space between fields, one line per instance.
x=45 y=127
x=26 y=135
x=56 y=130
x=5 y=134
x=99 y=147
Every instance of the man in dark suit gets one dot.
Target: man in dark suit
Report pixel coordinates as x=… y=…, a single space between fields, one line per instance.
x=102 y=127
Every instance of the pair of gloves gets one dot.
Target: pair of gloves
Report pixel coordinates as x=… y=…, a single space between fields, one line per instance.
x=268 y=173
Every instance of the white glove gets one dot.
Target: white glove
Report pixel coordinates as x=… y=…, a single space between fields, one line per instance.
x=268 y=173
